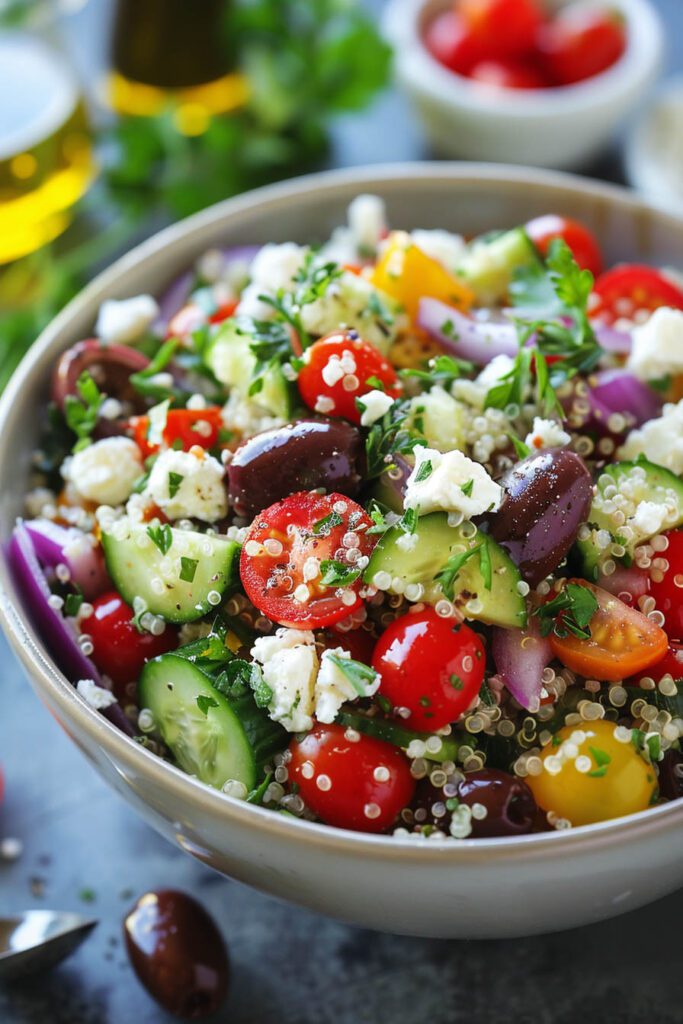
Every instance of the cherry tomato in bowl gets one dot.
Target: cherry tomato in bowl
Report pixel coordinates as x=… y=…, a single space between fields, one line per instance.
x=297 y=565
x=667 y=592
x=184 y=428
x=670 y=665
x=580 y=43
x=626 y=290
x=582 y=242
x=350 y=780
x=119 y=649
x=451 y=42
x=502 y=28
x=430 y=665
x=508 y=74
x=340 y=368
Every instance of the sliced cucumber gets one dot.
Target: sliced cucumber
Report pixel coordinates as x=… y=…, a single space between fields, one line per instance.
x=215 y=739
x=181 y=585
x=502 y=605
x=439 y=418
x=391 y=732
x=233 y=363
x=488 y=264
x=636 y=483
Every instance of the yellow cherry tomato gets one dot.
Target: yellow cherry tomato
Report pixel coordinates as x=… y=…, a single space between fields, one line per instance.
x=408 y=274
x=592 y=772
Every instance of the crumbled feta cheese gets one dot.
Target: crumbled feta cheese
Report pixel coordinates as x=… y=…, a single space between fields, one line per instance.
x=195 y=491
x=657 y=348
x=121 y=321
x=407 y=541
x=247 y=417
x=289 y=663
x=105 y=471
x=111 y=409
x=443 y=246
x=367 y=221
x=351 y=301
x=659 y=440
x=648 y=519
x=96 y=696
x=375 y=405
x=333 y=686
x=546 y=434
x=474 y=391
x=273 y=267
x=442 y=489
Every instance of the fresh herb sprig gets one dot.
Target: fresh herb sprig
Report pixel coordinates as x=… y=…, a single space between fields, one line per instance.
x=388 y=437
x=570 y=613
x=455 y=564
x=310 y=284
x=81 y=413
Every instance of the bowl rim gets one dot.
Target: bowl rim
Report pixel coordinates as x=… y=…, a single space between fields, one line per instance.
x=122 y=749
x=403 y=20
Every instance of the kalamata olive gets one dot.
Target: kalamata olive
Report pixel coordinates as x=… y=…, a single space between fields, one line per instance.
x=510 y=807
x=177 y=953
x=298 y=457
x=547 y=498
x=110 y=367
x=671 y=775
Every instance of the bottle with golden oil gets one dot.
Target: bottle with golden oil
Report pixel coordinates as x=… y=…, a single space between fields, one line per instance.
x=45 y=152
x=173 y=53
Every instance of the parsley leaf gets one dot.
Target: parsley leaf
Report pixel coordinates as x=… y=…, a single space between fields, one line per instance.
x=337 y=574
x=424 y=472
x=162 y=537
x=81 y=415
x=387 y=437
x=442 y=370
x=569 y=613
x=188 y=568
x=467 y=488
x=359 y=675
x=204 y=702
x=324 y=526
x=73 y=602
x=447 y=576
x=148 y=387
x=512 y=387
x=408 y=521
x=174 y=482
x=310 y=284
x=485 y=563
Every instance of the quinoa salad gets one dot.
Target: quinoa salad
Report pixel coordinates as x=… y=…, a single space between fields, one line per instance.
x=384 y=532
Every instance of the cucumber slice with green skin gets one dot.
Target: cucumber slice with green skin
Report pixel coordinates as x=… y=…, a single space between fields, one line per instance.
x=230 y=741
x=502 y=605
x=399 y=736
x=233 y=363
x=488 y=264
x=636 y=482
x=195 y=568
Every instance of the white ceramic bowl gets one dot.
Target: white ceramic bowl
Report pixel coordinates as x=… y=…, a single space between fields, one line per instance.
x=477 y=888
x=545 y=127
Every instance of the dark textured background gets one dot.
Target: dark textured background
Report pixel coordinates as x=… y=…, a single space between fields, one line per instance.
x=291 y=966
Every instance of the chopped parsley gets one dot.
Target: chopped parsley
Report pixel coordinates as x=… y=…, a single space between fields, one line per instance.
x=162 y=536
x=143 y=381
x=408 y=521
x=72 y=603
x=188 y=568
x=81 y=413
x=522 y=450
x=447 y=576
x=174 y=482
x=376 y=383
x=337 y=574
x=325 y=525
x=569 y=613
x=442 y=370
x=425 y=471
x=359 y=675
x=387 y=437
x=204 y=702
x=467 y=488
x=485 y=563
x=310 y=284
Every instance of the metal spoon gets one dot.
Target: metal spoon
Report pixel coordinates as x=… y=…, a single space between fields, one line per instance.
x=37 y=940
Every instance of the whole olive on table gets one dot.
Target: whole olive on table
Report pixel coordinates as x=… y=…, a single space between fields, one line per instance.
x=547 y=498
x=298 y=457
x=177 y=953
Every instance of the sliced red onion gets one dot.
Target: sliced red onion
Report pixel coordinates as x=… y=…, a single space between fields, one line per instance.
x=178 y=292
x=55 y=631
x=520 y=656
x=55 y=545
x=617 y=391
x=478 y=341
x=613 y=340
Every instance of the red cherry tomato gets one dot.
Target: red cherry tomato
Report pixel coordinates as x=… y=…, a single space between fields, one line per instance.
x=120 y=651
x=667 y=594
x=450 y=41
x=579 y=44
x=336 y=373
x=432 y=666
x=508 y=74
x=626 y=289
x=360 y=783
x=582 y=242
x=186 y=427
x=281 y=559
x=503 y=28
x=358 y=642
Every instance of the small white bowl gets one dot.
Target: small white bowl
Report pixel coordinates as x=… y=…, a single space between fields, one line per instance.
x=654 y=149
x=561 y=127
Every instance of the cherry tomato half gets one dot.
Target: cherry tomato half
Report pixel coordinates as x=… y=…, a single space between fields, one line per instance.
x=451 y=42
x=337 y=370
x=503 y=28
x=626 y=289
x=508 y=74
x=281 y=562
x=360 y=783
x=120 y=651
x=186 y=427
x=623 y=641
x=579 y=43
x=582 y=242
x=432 y=666
x=667 y=594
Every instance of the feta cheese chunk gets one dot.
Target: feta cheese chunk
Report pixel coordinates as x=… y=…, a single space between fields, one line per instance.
x=367 y=221
x=96 y=696
x=657 y=348
x=245 y=416
x=121 y=321
x=185 y=485
x=273 y=267
x=659 y=440
x=546 y=434
x=454 y=483
x=105 y=471
x=474 y=391
x=442 y=246
x=375 y=405
x=351 y=301
x=333 y=686
x=289 y=663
